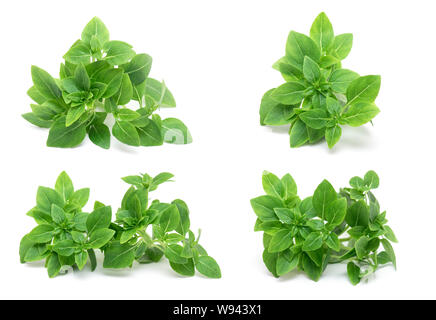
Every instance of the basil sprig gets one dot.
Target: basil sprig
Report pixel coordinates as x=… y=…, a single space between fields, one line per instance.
x=326 y=228
x=100 y=77
x=68 y=237
x=319 y=96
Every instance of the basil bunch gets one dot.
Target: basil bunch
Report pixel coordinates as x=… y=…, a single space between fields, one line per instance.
x=67 y=237
x=319 y=96
x=100 y=77
x=328 y=227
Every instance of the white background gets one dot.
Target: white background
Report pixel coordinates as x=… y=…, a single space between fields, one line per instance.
x=216 y=57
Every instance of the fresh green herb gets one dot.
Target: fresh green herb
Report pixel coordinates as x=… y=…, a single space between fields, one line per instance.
x=100 y=77
x=319 y=95
x=328 y=227
x=67 y=237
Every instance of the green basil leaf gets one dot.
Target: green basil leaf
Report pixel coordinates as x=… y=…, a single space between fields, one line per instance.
x=322 y=32
x=95 y=28
x=360 y=113
x=299 y=46
x=280 y=241
x=99 y=238
x=332 y=135
x=126 y=133
x=358 y=214
x=138 y=68
x=342 y=45
x=98 y=219
x=208 y=267
x=341 y=79
x=316 y=118
x=100 y=135
x=118 y=256
x=80 y=52
x=363 y=89
x=118 y=52
x=272 y=185
x=264 y=206
x=323 y=196
x=289 y=93
x=298 y=134
x=311 y=70
x=175 y=131
x=61 y=136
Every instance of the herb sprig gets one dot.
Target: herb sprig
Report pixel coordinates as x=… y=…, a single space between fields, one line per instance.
x=326 y=228
x=319 y=96
x=68 y=237
x=100 y=77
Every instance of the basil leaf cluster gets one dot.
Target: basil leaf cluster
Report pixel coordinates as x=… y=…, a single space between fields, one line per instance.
x=68 y=237
x=319 y=96
x=100 y=77
x=326 y=228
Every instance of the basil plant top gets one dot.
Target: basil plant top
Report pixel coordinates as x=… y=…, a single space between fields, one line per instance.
x=143 y=231
x=99 y=77
x=319 y=95
x=326 y=228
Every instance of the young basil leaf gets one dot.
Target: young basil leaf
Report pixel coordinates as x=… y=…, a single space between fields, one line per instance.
x=286 y=262
x=124 y=94
x=100 y=135
x=159 y=93
x=264 y=207
x=175 y=131
x=322 y=31
x=323 y=196
x=95 y=28
x=289 y=93
x=118 y=256
x=208 y=267
x=279 y=114
x=316 y=118
x=62 y=136
x=336 y=211
x=80 y=52
x=313 y=242
x=41 y=234
x=342 y=45
x=299 y=46
x=298 y=134
x=185 y=269
x=363 y=89
x=45 y=84
x=272 y=185
x=98 y=219
x=118 y=52
x=35 y=120
x=169 y=219
x=53 y=265
x=280 y=241
x=150 y=134
x=340 y=79
x=64 y=186
x=353 y=273
x=311 y=70
x=99 y=238
x=360 y=113
x=138 y=68
x=332 y=135
x=46 y=197
x=358 y=214
x=371 y=180
x=126 y=133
